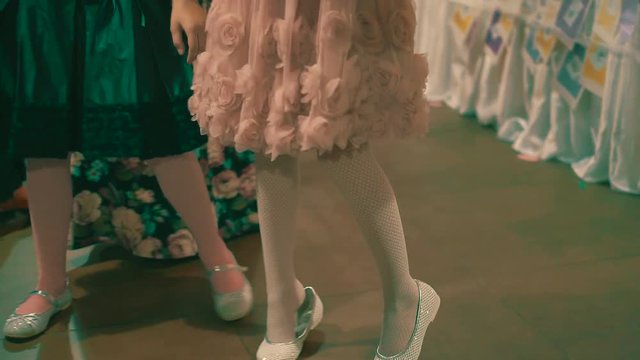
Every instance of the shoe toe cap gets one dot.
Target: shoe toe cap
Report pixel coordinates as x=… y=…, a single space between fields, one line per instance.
x=19 y=328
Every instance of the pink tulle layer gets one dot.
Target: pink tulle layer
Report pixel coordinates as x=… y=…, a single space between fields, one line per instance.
x=284 y=76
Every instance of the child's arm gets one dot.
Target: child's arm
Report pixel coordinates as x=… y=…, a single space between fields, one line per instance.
x=189 y=17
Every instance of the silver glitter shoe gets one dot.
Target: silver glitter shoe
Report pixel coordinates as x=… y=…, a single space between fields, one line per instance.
x=29 y=325
x=308 y=318
x=234 y=305
x=428 y=305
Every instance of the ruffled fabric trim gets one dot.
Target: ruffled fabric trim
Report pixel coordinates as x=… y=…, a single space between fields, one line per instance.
x=281 y=86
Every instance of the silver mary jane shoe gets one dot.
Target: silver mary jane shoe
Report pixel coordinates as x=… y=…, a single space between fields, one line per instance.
x=308 y=317
x=428 y=305
x=29 y=325
x=234 y=305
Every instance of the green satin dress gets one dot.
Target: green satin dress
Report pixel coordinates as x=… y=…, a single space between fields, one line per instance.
x=100 y=77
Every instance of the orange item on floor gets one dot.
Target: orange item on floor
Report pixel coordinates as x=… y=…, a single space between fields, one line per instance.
x=18 y=202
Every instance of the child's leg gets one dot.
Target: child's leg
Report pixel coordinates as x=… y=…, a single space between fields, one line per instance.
x=368 y=192
x=182 y=182
x=50 y=206
x=277 y=190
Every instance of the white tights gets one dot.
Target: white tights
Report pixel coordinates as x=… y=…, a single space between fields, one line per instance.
x=370 y=196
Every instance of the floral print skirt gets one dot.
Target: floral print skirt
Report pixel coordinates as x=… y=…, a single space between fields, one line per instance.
x=119 y=201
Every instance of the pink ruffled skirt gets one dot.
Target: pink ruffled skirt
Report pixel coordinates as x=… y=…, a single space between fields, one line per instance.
x=283 y=76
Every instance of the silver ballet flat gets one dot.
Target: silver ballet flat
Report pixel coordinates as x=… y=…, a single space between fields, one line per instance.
x=234 y=305
x=29 y=325
x=428 y=305
x=308 y=317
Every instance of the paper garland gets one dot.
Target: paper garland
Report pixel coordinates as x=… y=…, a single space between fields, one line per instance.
x=582 y=67
x=499 y=33
x=594 y=70
x=463 y=21
x=568 y=78
x=628 y=20
x=571 y=18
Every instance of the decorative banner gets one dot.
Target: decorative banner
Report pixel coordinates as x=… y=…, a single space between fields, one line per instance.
x=571 y=19
x=548 y=11
x=607 y=20
x=540 y=6
x=545 y=42
x=528 y=10
x=499 y=32
x=530 y=51
x=594 y=71
x=628 y=20
x=568 y=77
x=463 y=22
x=558 y=56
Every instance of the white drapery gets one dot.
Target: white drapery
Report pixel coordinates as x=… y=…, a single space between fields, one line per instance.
x=599 y=136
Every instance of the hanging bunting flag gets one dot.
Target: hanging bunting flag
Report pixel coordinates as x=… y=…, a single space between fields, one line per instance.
x=608 y=14
x=545 y=42
x=547 y=12
x=568 y=78
x=499 y=33
x=530 y=51
x=594 y=71
x=628 y=20
x=571 y=19
x=463 y=21
x=528 y=10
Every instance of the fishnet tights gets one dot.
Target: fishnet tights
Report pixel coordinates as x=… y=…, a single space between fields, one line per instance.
x=370 y=196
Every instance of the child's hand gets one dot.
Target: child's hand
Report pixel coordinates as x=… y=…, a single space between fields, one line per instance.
x=189 y=17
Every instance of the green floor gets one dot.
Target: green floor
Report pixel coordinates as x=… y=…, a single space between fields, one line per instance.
x=529 y=264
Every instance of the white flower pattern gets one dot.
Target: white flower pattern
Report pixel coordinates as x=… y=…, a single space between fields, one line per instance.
x=86 y=207
x=128 y=226
x=149 y=248
x=127 y=207
x=182 y=244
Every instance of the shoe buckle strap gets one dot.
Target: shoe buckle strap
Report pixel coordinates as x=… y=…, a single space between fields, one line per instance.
x=52 y=300
x=227 y=267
